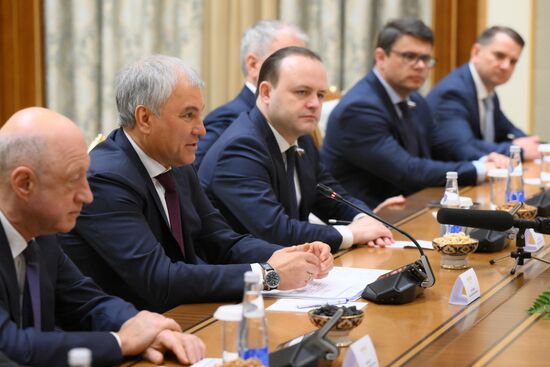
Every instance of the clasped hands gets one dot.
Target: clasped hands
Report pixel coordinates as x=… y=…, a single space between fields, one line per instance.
x=298 y=265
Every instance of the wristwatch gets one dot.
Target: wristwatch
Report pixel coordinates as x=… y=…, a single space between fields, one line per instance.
x=271 y=278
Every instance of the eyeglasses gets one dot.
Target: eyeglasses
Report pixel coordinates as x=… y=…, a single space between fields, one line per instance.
x=412 y=58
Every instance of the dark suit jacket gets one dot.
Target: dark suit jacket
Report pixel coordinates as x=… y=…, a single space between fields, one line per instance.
x=219 y=119
x=245 y=177
x=364 y=149
x=69 y=301
x=124 y=242
x=453 y=102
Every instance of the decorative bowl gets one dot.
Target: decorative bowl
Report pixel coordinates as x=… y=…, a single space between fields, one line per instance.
x=339 y=333
x=454 y=249
x=525 y=212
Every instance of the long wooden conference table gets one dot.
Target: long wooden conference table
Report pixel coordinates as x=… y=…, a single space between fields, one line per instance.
x=494 y=330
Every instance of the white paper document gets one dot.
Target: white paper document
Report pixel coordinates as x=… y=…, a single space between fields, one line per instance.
x=208 y=362
x=304 y=305
x=341 y=283
x=423 y=243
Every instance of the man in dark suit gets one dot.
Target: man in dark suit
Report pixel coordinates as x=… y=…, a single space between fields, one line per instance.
x=466 y=106
x=381 y=140
x=258 y=42
x=47 y=307
x=246 y=173
x=151 y=236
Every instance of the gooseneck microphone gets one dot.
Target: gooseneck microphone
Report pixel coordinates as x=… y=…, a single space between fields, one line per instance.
x=496 y=220
x=400 y=285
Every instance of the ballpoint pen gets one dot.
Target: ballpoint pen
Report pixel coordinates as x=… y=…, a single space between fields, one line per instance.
x=328 y=303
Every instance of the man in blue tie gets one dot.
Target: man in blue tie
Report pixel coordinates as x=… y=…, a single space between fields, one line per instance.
x=263 y=171
x=47 y=306
x=465 y=104
x=381 y=140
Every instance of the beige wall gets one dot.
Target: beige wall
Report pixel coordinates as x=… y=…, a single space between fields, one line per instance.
x=517 y=94
x=542 y=70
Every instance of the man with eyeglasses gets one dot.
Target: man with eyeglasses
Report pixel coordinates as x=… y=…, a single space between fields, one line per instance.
x=381 y=140
x=466 y=106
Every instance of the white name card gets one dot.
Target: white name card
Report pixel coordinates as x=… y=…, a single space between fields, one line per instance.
x=466 y=288
x=361 y=354
x=533 y=241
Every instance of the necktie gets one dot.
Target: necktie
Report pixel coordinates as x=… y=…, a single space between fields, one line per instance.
x=489 y=125
x=33 y=282
x=408 y=130
x=290 y=168
x=171 y=196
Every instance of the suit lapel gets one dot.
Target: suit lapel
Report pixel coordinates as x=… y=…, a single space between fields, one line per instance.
x=281 y=187
x=8 y=277
x=396 y=126
x=125 y=145
x=474 y=122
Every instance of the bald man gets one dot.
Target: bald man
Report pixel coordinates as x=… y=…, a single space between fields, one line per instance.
x=42 y=189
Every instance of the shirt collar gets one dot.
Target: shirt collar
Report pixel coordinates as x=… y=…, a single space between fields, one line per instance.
x=15 y=240
x=394 y=97
x=251 y=86
x=281 y=142
x=153 y=167
x=481 y=91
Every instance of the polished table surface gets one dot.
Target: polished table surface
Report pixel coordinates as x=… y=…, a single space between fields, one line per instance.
x=493 y=330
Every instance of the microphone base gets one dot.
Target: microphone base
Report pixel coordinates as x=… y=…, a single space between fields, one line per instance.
x=396 y=287
x=490 y=241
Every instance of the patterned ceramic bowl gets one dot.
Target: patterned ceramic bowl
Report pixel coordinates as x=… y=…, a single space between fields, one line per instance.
x=339 y=334
x=525 y=212
x=454 y=249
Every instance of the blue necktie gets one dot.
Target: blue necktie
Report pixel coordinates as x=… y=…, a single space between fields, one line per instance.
x=290 y=167
x=489 y=123
x=407 y=130
x=33 y=282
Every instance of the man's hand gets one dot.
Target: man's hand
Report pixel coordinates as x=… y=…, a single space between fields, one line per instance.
x=187 y=348
x=137 y=333
x=530 y=145
x=368 y=231
x=295 y=266
x=322 y=251
x=498 y=160
x=393 y=201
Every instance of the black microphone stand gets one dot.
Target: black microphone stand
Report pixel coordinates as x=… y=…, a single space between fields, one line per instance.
x=519 y=253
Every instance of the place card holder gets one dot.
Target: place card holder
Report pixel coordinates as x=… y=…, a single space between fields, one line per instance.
x=466 y=289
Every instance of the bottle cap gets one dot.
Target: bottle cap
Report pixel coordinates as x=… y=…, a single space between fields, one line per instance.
x=452 y=174
x=544 y=148
x=466 y=202
x=229 y=313
x=80 y=357
x=251 y=277
x=498 y=172
x=515 y=149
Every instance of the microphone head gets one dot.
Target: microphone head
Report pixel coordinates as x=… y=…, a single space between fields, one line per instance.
x=327 y=191
x=496 y=220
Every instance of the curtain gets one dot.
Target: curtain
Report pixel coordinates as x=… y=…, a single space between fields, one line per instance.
x=88 y=41
x=224 y=24
x=343 y=32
